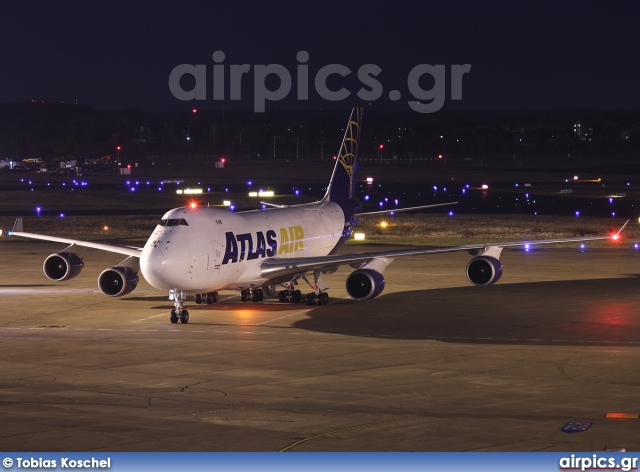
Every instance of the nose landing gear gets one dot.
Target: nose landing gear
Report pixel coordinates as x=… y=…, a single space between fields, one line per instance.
x=179 y=313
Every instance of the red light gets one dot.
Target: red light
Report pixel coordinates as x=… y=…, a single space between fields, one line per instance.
x=439 y=156
x=128 y=166
x=622 y=416
x=118 y=148
x=195 y=110
x=615 y=237
x=223 y=160
x=335 y=157
x=382 y=146
x=193 y=205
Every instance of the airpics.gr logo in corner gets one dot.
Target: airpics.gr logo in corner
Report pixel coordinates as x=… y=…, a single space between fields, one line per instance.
x=421 y=100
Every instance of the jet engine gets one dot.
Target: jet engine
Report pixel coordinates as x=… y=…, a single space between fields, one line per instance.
x=117 y=281
x=62 y=266
x=365 y=283
x=484 y=270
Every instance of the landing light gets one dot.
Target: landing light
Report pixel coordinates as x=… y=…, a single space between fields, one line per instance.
x=384 y=224
x=358 y=236
x=105 y=228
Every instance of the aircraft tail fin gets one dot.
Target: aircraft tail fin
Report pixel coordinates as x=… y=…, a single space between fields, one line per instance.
x=342 y=185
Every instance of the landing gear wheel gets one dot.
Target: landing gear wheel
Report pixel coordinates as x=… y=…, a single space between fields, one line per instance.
x=283 y=296
x=178 y=313
x=324 y=299
x=211 y=298
x=260 y=293
x=310 y=299
x=199 y=299
x=244 y=296
x=296 y=296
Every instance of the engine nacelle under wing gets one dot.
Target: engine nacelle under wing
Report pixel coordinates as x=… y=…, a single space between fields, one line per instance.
x=484 y=270
x=117 y=281
x=62 y=266
x=365 y=283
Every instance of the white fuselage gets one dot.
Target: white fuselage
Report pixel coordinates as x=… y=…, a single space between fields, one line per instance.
x=201 y=249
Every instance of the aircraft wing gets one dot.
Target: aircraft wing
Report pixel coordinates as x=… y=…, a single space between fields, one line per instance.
x=399 y=210
x=128 y=251
x=279 y=267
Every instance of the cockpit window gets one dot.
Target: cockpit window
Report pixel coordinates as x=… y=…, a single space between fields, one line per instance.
x=173 y=222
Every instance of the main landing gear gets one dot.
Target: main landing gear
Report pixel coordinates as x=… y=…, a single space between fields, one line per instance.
x=293 y=296
x=208 y=298
x=318 y=299
x=252 y=295
x=179 y=313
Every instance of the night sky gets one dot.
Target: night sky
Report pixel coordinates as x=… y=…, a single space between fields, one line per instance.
x=119 y=54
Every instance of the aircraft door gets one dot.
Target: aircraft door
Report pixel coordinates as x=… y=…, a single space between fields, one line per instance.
x=215 y=257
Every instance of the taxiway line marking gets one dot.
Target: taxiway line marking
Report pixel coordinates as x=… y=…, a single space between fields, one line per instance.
x=363 y=335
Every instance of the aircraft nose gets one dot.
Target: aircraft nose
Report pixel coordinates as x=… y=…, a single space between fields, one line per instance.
x=157 y=261
x=152 y=265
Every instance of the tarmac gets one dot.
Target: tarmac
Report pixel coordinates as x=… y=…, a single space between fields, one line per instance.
x=432 y=364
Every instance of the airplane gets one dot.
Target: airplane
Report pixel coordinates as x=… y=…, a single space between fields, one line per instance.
x=197 y=250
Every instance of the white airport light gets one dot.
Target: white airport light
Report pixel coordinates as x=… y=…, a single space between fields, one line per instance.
x=262 y=193
x=0 y=232
x=226 y=203
x=193 y=191
x=358 y=236
x=179 y=192
x=369 y=180
x=485 y=187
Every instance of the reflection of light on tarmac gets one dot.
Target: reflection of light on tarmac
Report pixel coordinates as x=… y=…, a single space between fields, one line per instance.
x=613 y=313
x=245 y=314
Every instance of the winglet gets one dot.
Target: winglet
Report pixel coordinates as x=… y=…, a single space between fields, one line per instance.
x=623 y=227
x=17 y=226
